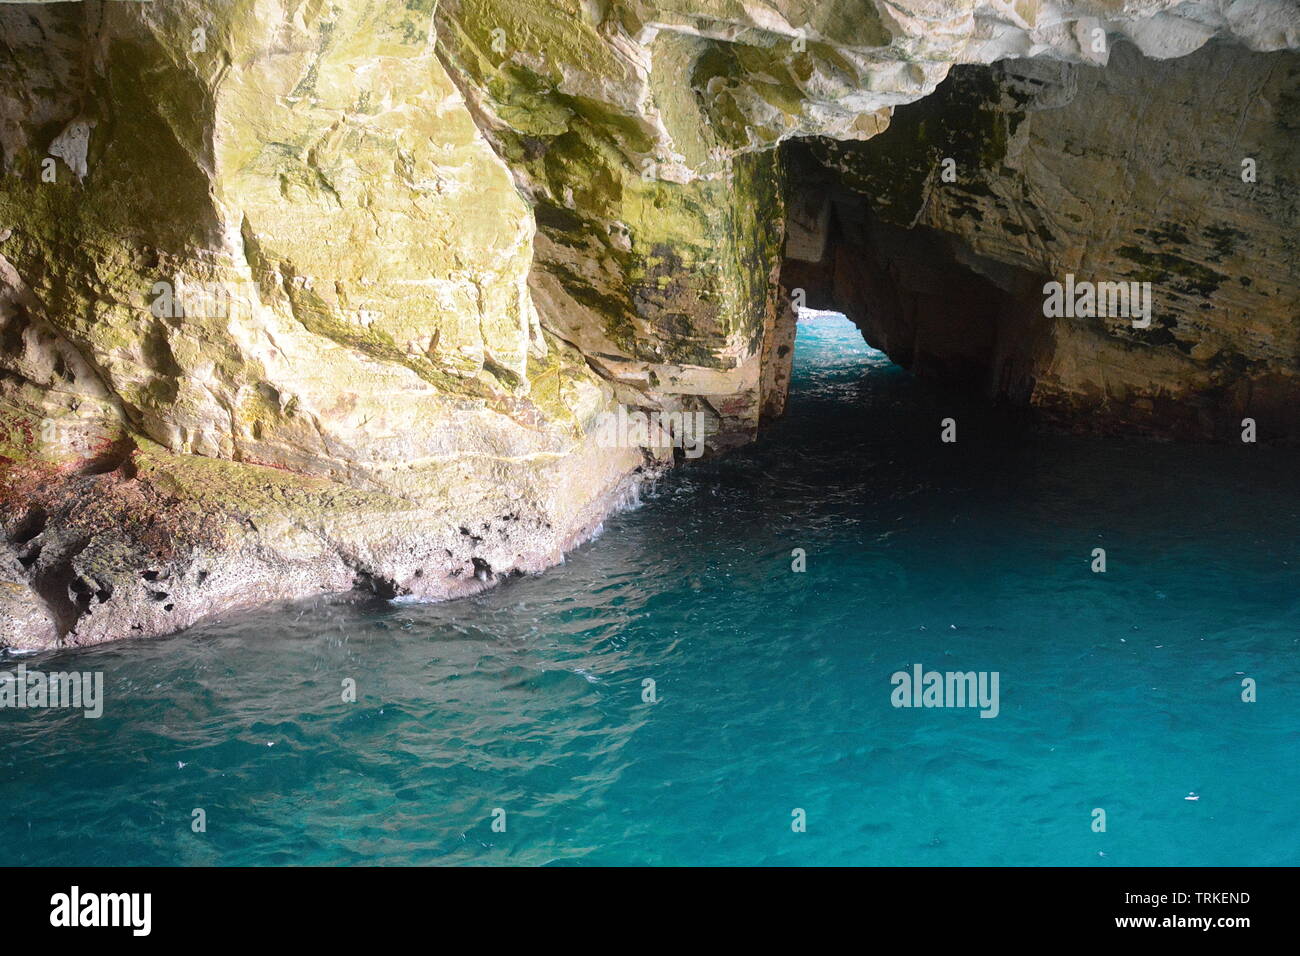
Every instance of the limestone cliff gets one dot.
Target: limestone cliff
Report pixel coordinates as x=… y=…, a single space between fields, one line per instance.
x=299 y=296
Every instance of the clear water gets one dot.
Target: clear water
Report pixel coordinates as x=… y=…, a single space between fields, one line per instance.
x=1119 y=691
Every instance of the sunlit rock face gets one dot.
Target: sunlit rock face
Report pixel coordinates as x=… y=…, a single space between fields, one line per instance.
x=271 y=332
x=300 y=297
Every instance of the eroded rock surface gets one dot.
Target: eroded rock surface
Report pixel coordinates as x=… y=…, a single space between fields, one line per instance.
x=300 y=296
x=1130 y=174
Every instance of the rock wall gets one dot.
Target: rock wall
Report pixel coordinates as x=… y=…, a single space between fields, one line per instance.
x=300 y=296
x=1129 y=174
x=271 y=331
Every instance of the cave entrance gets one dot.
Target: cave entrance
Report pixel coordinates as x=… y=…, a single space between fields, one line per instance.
x=828 y=342
x=917 y=295
x=837 y=377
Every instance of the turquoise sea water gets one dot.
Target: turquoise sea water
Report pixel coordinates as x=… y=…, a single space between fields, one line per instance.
x=1119 y=691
